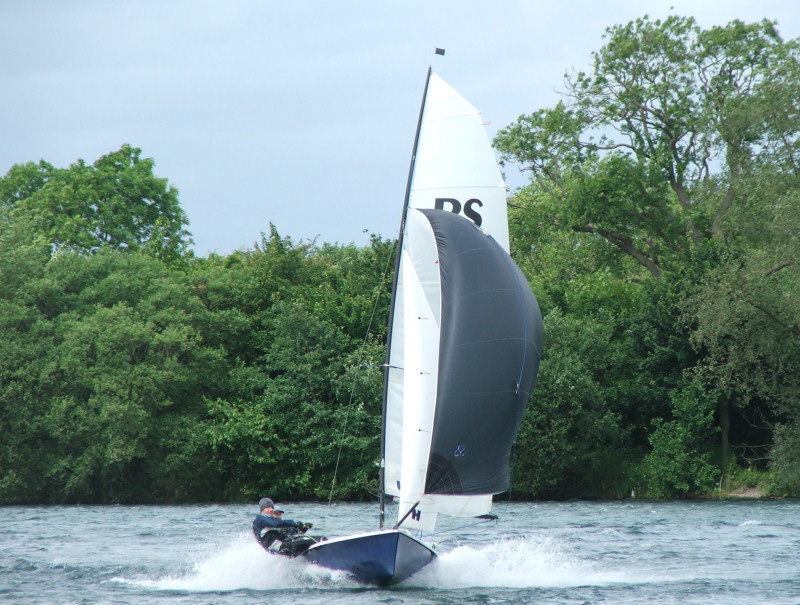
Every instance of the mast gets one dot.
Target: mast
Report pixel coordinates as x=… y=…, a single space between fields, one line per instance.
x=382 y=472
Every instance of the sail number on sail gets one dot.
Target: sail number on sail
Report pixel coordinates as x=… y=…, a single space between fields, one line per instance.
x=456 y=206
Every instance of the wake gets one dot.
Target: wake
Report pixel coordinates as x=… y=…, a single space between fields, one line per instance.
x=244 y=565
x=527 y=562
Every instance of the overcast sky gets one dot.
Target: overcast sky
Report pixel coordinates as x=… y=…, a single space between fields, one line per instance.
x=296 y=112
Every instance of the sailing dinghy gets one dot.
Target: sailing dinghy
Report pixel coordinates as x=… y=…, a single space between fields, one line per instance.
x=464 y=346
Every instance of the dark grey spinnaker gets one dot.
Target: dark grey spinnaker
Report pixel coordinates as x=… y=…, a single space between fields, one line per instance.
x=490 y=348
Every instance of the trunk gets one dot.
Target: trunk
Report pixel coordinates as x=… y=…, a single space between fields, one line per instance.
x=725 y=426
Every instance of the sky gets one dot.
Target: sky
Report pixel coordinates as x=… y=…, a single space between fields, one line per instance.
x=295 y=113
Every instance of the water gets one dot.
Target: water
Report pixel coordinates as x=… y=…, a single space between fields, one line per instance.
x=622 y=552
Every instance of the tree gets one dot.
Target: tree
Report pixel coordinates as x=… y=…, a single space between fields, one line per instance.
x=308 y=384
x=116 y=203
x=103 y=380
x=678 y=153
x=680 y=461
x=746 y=313
x=648 y=151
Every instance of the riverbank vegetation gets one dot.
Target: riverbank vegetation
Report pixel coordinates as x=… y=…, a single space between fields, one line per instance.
x=658 y=230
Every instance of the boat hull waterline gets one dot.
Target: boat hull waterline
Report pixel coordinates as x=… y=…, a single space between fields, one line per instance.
x=379 y=558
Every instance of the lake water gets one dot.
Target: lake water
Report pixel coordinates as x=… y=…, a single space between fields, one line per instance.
x=577 y=552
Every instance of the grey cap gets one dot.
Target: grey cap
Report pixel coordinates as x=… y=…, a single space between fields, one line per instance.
x=277 y=509
x=264 y=503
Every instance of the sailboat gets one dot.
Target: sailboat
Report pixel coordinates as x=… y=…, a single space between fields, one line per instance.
x=463 y=351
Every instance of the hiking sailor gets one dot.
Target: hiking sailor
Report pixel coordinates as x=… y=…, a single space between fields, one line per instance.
x=268 y=528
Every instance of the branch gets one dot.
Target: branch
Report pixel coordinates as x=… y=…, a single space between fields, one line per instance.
x=716 y=225
x=624 y=243
x=777 y=267
x=794 y=329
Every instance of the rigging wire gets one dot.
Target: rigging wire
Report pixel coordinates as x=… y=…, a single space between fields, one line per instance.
x=363 y=344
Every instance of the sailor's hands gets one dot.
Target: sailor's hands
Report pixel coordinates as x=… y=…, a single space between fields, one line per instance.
x=304 y=527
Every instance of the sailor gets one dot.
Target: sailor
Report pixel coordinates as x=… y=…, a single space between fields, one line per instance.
x=266 y=520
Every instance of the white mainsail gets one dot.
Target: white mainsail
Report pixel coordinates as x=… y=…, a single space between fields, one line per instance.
x=455 y=163
x=454 y=170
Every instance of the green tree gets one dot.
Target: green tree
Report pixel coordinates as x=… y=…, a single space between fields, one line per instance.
x=786 y=458
x=117 y=202
x=746 y=313
x=680 y=462
x=104 y=382
x=675 y=161
x=648 y=150
x=127 y=378
x=309 y=386
x=571 y=441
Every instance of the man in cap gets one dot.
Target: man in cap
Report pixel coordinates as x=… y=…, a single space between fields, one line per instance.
x=265 y=520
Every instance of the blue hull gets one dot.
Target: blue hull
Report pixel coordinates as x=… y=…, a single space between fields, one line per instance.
x=379 y=558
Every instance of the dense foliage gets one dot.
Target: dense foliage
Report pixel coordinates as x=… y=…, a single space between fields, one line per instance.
x=658 y=231
x=133 y=372
x=659 y=228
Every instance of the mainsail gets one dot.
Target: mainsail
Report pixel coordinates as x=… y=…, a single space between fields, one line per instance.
x=465 y=335
x=454 y=167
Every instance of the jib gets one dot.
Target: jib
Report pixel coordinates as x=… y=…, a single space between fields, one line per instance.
x=455 y=207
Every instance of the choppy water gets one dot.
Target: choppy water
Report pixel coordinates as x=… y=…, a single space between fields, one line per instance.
x=622 y=552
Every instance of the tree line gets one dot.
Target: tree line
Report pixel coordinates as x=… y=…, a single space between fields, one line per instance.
x=658 y=230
